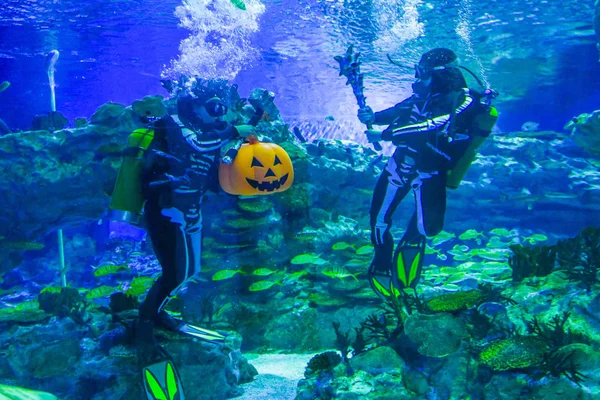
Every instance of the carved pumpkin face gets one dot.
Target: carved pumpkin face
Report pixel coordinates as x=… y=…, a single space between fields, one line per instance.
x=258 y=169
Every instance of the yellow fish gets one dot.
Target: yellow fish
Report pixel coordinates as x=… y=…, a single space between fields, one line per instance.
x=362 y=251
x=263 y=272
x=140 y=285
x=263 y=285
x=226 y=274
x=21 y=245
x=102 y=291
x=110 y=269
x=341 y=246
x=340 y=273
x=52 y=289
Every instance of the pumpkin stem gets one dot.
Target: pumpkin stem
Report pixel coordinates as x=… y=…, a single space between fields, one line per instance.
x=252 y=139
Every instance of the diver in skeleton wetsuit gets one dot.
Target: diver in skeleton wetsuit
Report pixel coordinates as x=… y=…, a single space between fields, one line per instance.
x=179 y=168
x=436 y=132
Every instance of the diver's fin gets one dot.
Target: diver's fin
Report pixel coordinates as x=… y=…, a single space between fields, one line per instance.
x=381 y=281
x=162 y=382
x=408 y=263
x=177 y=325
x=201 y=333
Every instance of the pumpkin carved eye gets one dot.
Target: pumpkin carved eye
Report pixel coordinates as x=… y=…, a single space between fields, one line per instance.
x=256 y=163
x=277 y=161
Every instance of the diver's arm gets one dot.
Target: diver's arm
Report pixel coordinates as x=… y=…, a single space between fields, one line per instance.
x=214 y=140
x=400 y=112
x=398 y=134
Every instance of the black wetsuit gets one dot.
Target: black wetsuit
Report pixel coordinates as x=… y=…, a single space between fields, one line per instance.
x=180 y=166
x=431 y=135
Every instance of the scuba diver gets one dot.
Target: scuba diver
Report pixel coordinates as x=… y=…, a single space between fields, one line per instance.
x=179 y=164
x=436 y=132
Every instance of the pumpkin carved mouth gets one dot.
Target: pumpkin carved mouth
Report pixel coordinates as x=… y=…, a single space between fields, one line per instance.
x=267 y=186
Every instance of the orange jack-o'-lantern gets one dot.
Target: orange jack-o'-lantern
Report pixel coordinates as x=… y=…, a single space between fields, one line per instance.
x=258 y=168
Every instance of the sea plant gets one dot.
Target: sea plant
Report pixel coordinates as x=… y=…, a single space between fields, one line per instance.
x=342 y=341
x=560 y=363
x=529 y=261
x=379 y=330
x=67 y=302
x=579 y=257
x=555 y=334
x=207 y=303
x=360 y=343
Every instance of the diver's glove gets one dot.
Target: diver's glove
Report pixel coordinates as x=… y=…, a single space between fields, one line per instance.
x=366 y=115
x=244 y=130
x=230 y=150
x=373 y=135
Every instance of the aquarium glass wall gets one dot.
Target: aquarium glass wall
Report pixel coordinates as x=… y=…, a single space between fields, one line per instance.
x=315 y=199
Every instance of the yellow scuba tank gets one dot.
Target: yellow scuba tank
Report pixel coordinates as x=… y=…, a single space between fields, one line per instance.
x=482 y=127
x=127 y=200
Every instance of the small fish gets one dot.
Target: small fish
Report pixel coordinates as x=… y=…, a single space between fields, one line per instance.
x=365 y=250
x=530 y=126
x=226 y=274
x=442 y=237
x=535 y=238
x=296 y=275
x=4 y=85
x=559 y=195
x=102 y=291
x=491 y=309
x=307 y=259
x=375 y=161
x=263 y=272
x=298 y=134
x=487 y=254
x=330 y=118
x=431 y=250
x=502 y=232
x=239 y=4
x=495 y=242
x=341 y=246
x=356 y=263
x=340 y=273
x=350 y=156
x=52 y=289
x=471 y=234
x=263 y=285
x=140 y=285
x=442 y=257
x=21 y=245
x=320 y=148
x=110 y=269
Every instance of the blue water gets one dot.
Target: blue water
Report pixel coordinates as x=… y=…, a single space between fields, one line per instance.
x=541 y=56
x=117 y=51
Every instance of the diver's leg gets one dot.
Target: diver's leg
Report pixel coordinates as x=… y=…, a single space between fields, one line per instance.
x=391 y=188
x=428 y=220
x=430 y=198
x=163 y=234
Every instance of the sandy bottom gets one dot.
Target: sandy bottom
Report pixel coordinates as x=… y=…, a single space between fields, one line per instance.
x=278 y=376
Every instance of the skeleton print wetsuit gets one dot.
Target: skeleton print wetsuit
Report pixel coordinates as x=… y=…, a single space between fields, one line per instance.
x=180 y=167
x=431 y=136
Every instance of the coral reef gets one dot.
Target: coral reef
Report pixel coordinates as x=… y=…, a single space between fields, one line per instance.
x=531 y=261
x=323 y=362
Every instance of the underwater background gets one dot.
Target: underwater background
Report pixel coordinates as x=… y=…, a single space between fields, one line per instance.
x=509 y=301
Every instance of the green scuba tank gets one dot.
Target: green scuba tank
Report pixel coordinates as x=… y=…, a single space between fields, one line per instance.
x=127 y=200
x=481 y=129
